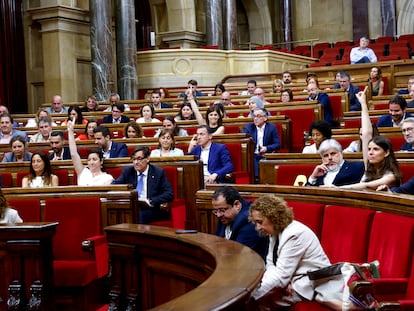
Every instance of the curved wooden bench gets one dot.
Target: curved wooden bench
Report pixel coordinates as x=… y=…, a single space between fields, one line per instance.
x=154 y=267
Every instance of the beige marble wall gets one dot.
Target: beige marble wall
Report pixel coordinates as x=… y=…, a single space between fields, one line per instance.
x=173 y=68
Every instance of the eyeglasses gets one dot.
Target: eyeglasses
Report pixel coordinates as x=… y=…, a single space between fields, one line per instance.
x=139 y=159
x=258 y=93
x=408 y=130
x=220 y=211
x=257 y=116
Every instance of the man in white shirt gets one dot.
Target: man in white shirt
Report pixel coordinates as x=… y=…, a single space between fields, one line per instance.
x=362 y=53
x=45 y=128
x=251 y=86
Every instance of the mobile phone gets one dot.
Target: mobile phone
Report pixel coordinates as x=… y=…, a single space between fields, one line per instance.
x=183 y=231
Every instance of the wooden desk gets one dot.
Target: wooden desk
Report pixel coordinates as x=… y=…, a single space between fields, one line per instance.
x=157 y=269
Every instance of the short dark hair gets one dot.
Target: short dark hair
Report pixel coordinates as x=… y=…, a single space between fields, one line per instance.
x=323 y=127
x=151 y=108
x=7 y=115
x=193 y=82
x=399 y=100
x=252 y=81
x=102 y=129
x=118 y=105
x=58 y=133
x=145 y=150
x=229 y=193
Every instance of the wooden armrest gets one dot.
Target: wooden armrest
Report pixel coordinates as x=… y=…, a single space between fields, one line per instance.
x=88 y=245
x=388 y=306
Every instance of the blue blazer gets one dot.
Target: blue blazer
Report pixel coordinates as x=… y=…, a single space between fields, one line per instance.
x=407 y=147
x=386 y=120
x=244 y=232
x=165 y=105
x=325 y=102
x=118 y=150
x=354 y=104
x=108 y=119
x=219 y=160
x=407 y=188
x=350 y=173
x=158 y=188
x=270 y=137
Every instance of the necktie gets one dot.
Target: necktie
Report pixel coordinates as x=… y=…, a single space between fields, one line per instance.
x=275 y=250
x=140 y=184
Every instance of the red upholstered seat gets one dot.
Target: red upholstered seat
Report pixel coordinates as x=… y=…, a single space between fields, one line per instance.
x=7 y=180
x=240 y=174
x=114 y=171
x=391 y=242
x=19 y=178
x=286 y=174
x=29 y=209
x=79 y=220
x=345 y=233
x=177 y=206
x=63 y=176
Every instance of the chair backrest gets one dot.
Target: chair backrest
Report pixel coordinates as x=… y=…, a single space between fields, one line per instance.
x=286 y=174
x=311 y=214
x=19 y=178
x=345 y=233
x=79 y=219
x=6 y=180
x=29 y=209
x=172 y=176
x=391 y=242
x=63 y=175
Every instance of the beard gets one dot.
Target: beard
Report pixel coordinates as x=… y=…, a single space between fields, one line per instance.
x=333 y=168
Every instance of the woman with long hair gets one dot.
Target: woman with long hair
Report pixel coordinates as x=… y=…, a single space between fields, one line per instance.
x=75 y=113
x=170 y=123
x=88 y=133
x=186 y=112
x=381 y=167
x=91 y=104
x=40 y=173
x=133 y=130
x=376 y=82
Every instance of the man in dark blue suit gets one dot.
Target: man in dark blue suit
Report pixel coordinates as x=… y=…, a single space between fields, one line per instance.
x=334 y=170
x=347 y=86
x=117 y=114
x=323 y=98
x=407 y=129
x=110 y=149
x=397 y=107
x=232 y=212
x=154 y=190
x=264 y=134
x=57 y=142
x=215 y=157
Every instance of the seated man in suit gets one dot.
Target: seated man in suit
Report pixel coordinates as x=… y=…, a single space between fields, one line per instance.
x=215 y=157
x=346 y=85
x=264 y=134
x=110 y=149
x=323 y=98
x=232 y=212
x=156 y=101
x=334 y=170
x=407 y=129
x=397 y=107
x=117 y=114
x=57 y=143
x=154 y=190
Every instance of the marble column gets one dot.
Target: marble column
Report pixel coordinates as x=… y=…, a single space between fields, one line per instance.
x=286 y=22
x=214 y=22
x=230 y=24
x=388 y=17
x=101 y=49
x=126 y=49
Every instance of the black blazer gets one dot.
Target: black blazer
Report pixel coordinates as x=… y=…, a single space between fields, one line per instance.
x=108 y=119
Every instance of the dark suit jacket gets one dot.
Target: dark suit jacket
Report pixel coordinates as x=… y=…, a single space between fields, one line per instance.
x=66 y=154
x=165 y=105
x=219 y=160
x=407 y=147
x=158 y=188
x=244 y=231
x=354 y=104
x=407 y=188
x=118 y=150
x=350 y=173
x=270 y=136
x=108 y=119
x=386 y=120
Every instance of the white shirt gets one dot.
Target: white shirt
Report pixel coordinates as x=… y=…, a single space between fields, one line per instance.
x=86 y=178
x=260 y=134
x=205 y=152
x=107 y=154
x=11 y=216
x=310 y=149
x=357 y=53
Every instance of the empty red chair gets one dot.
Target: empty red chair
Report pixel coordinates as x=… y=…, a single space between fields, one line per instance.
x=29 y=209
x=6 y=180
x=80 y=251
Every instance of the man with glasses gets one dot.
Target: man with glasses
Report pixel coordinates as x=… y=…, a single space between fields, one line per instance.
x=154 y=190
x=397 y=112
x=407 y=128
x=265 y=136
x=233 y=224
x=110 y=149
x=117 y=115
